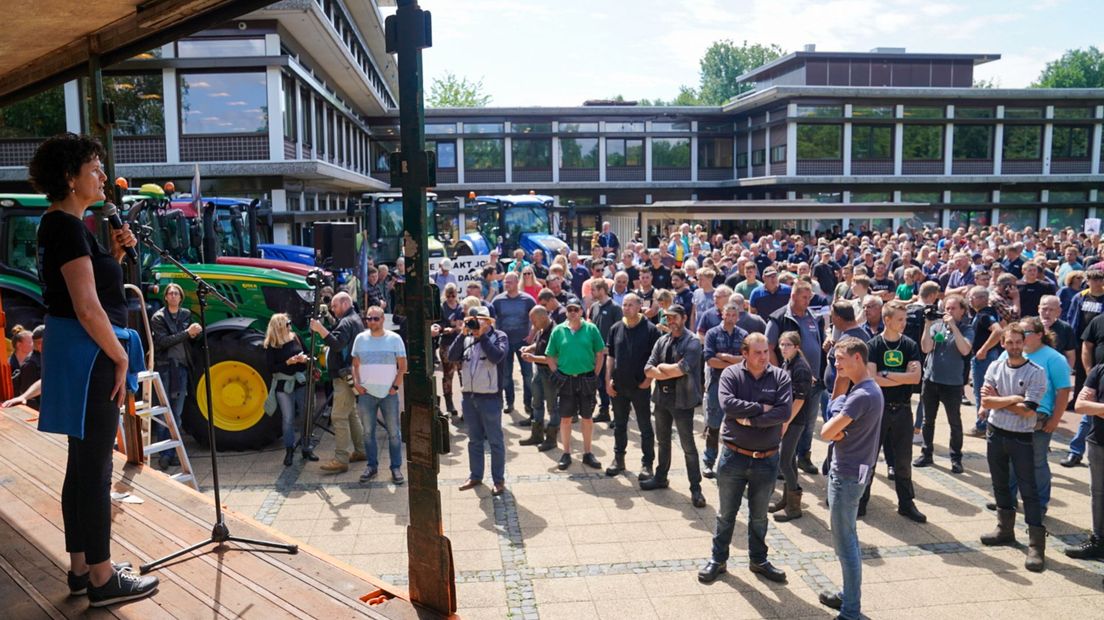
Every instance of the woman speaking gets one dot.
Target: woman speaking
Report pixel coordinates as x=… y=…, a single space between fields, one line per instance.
x=90 y=348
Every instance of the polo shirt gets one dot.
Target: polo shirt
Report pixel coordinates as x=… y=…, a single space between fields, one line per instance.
x=575 y=350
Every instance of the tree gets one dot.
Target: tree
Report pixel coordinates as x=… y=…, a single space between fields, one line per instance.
x=452 y=91
x=724 y=61
x=37 y=116
x=987 y=83
x=1075 y=69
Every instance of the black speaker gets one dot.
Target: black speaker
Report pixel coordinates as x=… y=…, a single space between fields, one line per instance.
x=336 y=242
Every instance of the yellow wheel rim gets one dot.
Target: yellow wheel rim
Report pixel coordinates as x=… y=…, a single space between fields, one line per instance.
x=239 y=393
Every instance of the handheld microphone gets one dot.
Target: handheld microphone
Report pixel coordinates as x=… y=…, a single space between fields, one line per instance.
x=111 y=213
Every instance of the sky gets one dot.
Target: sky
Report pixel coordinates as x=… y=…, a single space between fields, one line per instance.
x=562 y=52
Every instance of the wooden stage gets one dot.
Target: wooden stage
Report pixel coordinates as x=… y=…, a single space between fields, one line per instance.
x=220 y=583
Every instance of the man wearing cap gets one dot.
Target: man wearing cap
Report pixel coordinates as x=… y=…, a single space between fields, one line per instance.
x=575 y=354
x=675 y=366
x=443 y=277
x=770 y=296
x=481 y=350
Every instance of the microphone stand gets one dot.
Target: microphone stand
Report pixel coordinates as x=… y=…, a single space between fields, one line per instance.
x=220 y=533
x=316 y=279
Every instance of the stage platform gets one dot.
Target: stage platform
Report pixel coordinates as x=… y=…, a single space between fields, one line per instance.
x=227 y=582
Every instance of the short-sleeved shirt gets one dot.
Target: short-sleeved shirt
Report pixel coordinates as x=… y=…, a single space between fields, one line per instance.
x=765 y=302
x=378 y=358
x=1031 y=293
x=1094 y=382
x=883 y=286
x=1057 y=374
x=1027 y=380
x=855 y=455
x=894 y=357
x=702 y=302
x=751 y=323
x=575 y=350
x=717 y=340
x=983 y=323
x=746 y=288
x=1094 y=333
x=1064 y=338
x=512 y=314
x=945 y=365
x=63 y=238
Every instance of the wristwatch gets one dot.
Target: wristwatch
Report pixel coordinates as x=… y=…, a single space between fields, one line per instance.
x=884 y=374
x=394 y=387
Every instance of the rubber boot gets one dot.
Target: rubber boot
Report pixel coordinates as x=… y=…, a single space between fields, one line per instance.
x=1005 y=533
x=618 y=465
x=793 y=507
x=1036 y=548
x=550 y=433
x=536 y=435
x=780 y=503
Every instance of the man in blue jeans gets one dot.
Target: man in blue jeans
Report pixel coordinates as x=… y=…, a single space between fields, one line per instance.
x=853 y=429
x=986 y=344
x=756 y=399
x=511 y=312
x=723 y=345
x=379 y=363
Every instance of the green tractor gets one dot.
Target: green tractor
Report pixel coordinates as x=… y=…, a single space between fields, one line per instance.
x=380 y=215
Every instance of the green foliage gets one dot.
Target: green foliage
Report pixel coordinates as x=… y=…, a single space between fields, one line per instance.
x=819 y=141
x=1075 y=69
x=452 y=91
x=987 y=83
x=484 y=154
x=578 y=152
x=724 y=61
x=973 y=142
x=871 y=142
x=923 y=142
x=1023 y=142
x=38 y=116
x=139 y=108
x=671 y=152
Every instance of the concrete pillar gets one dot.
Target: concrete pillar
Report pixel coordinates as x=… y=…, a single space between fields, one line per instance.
x=171 y=102
x=693 y=151
x=508 y=151
x=948 y=149
x=460 y=158
x=275 y=102
x=1048 y=138
x=73 y=107
x=1095 y=146
x=791 y=141
x=556 y=153
x=847 y=139
x=280 y=233
x=899 y=141
x=998 y=142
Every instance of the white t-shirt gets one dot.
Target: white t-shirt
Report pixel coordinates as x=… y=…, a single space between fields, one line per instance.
x=378 y=358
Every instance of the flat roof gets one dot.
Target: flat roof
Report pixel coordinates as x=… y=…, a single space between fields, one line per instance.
x=798 y=208
x=781 y=64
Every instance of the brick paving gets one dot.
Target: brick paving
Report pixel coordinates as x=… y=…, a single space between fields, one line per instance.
x=577 y=544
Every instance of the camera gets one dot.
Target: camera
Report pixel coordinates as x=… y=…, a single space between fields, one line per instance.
x=472 y=324
x=932 y=313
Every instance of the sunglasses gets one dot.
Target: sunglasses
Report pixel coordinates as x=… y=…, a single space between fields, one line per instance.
x=374 y=319
x=574 y=310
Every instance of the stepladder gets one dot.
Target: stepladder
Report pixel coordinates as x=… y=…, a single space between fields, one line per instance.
x=151 y=404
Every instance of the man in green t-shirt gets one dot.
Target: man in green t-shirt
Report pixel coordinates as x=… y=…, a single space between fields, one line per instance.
x=575 y=353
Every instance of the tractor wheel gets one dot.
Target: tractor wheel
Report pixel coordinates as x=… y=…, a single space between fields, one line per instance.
x=462 y=249
x=239 y=387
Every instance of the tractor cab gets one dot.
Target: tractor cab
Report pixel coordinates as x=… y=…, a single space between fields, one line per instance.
x=381 y=216
x=512 y=222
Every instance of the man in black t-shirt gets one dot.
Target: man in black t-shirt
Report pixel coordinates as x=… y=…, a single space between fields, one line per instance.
x=661 y=274
x=1088 y=404
x=882 y=285
x=986 y=345
x=895 y=364
x=1032 y=289
x=544 y=388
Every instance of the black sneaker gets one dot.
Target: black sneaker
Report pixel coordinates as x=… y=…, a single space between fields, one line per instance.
x=397 y=477
x=123 y=586
x=78 y=584
x=590 y=461
x=924 y=460
x=565 y=462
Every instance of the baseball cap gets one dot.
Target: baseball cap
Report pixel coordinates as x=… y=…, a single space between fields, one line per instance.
x=480 y=312
x=770 y=271
x=676 y=309
x=446 y=264
x=573 y=301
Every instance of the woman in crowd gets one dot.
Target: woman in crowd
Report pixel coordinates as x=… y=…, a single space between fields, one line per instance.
x=288 y=364
x=451 y=324
x=529 y=282
x=803 y=411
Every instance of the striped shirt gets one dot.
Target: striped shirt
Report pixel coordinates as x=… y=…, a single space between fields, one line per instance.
x=1028 y=380
x=378 y=358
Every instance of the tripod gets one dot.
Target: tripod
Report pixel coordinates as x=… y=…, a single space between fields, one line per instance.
x=220 y=533
x=316 y=279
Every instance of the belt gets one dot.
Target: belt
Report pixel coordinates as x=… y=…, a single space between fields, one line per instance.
x=755 y=454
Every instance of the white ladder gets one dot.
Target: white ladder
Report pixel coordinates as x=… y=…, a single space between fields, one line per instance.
x=151 y=385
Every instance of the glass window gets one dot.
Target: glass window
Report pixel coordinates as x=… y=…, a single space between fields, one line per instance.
x=758 y=157
x=204 y=48
x=778 y=153
x=913 y=111
x=923 y=142
x=711 y=127
x=1019 y=219
x=381 y=155
x=530 y=154
x=1071 y=142
x=223 y=103
x=288 y=107
x=969 y=197
x=37 y=116
x=670 y=152
x=831 y=197
x=965 y=218
x=871 y=197
x=446 y=153
x=578 y=127
x=1072 y=112
x=483 y=127
x=871 y=142
x=741 y=160
x=925 y=197
x=624 y=126
x=440 y=128
x=139 y=104
x=973 y=142
x=1067 y=196
x=531 y=127
x=1072 y=217
x=1018 y=198
x=820 y=141
x=578 y=152
x=967 y=112
x=867 y=111
x=671 y=126
x=1023 y=142
x=624 y=153
x=1023 y=112
x=484 y=154
x=717 y=152
x=820 y=111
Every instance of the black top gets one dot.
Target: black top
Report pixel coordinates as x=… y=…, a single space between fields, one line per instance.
x=1030 y=294
x=629 y=348
x=26 y=374
x=801 y=383
x=894 y=357
x=604 y=316
x=983 y=323
x=883 y=285
x=63 y=238
x=661 y=277
x=1095 y=333
x=278 y=357
x=448 y=315
x=1064 y=338
x=1093 y=382
x=542 y=340
x=170 y=333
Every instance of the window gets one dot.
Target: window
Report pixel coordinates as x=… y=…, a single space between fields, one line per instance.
x=1067 y=196
x=1018 y=198
x=204 y=48
x=1072 y=112
x=289 y=110
x=484 y=154
x=712 y=127
x=829 y=197
x=665 y=126
x=483 y=127
x=1023 y=142
x=923 y=197
x=139 y=104
x=871 y=197
x=871 y=142
x=1071 y=142
x=1072 y=217
x=717 y=152
x=446 y=153
x=532 y=154
x=866 y=111
x=924 y=111
x=37 y=116
x=923 y=142
x=531 y=127
x=973 y=142
x=578 y=152
x=381 y=155
x=741 y=161
x=670 y=152
x=1019 y=219
x=308 y=134
x=758 y=157
x=1023 y=113
x=223 y=103
x=578 y=127
x=624 y=152
x=624 y=127
x=965 y=112
x=437 y=129
x=820 y=111
x=969 y=197
x=820 y=141
x=778 y=154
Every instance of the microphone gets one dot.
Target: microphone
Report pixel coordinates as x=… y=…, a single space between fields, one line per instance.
x=111 y=214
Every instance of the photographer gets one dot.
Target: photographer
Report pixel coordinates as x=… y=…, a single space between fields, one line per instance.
x=947 y=342
x=346 y=423
x=481 y=350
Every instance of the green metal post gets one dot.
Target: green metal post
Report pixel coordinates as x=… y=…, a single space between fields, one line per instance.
x=425 y=430
x=100 y=122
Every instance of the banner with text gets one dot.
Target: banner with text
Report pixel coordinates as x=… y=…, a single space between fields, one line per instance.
x=466 y=268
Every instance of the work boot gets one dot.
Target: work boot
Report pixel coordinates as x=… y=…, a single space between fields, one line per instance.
x=924 y=460
x=289 y=457
x=792 y=509
x=603 y=416
x=549 y=442
x=536 y=435
x=1091 y=549
x=805 y=464
x=618 y=465
x=1005 y=533
x=1036 y=549
x=780 y=503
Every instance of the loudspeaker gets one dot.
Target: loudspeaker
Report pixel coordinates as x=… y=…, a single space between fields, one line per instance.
x=336 y=241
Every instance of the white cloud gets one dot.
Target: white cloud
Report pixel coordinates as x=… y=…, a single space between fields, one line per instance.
x=218 y=94
x=200 y=84
x=235 y=103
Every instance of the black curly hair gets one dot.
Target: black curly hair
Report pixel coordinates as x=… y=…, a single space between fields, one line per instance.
x=59 y=159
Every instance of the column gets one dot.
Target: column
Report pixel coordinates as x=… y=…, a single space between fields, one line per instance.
x=73 y=107
x=693 y=151
x=767 y=148
x=1048 y=138
x=998 y=142
x=1044 y=215
x=601 y=153
x=171 y=102
x=948 y=149
x=1096 y=137
x=1093 y=195
x=280 y=232
x=460 y=158
x=749 y=147
x=898 y=141
x=300 y=118
x=556 y=153
x=508 y=152
x=846 y=139
x=648 y=156
x=275 y=121
x=791 y=140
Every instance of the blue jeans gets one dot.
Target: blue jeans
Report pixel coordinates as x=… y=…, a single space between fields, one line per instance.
x=714 y=415
x=805 y=444
x=289 y=404
x=544 y=397
x=483 y=414
x=526 y=378
x=1040 y=443
x=735 y=473
x=978 y=369
x=367 y=405
x=1077 y=444
x=843 y=498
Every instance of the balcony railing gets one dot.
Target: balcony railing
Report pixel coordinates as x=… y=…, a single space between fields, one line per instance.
x=972 y=166
x=224 y=148
x=778 y=169
x=710 y=174
x=1020 y=166
x=1070 y=166
x=579 y=174
x=487 y=175
x=820 y=166
x=670 y=174
x=625 y=173
x=139 y=149
x=532 y=175
x=872 y=166
x=922 y=166
x=18 y=151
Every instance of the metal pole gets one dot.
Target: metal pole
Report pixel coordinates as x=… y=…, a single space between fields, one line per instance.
x=101 y=117
x=425 y=431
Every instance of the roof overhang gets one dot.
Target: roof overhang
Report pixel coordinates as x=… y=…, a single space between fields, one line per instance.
x=55 y=39
x=773 y=94
x=786 y=63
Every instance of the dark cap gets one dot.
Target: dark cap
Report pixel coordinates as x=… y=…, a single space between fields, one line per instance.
x=676 y=309
x=574 y=301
